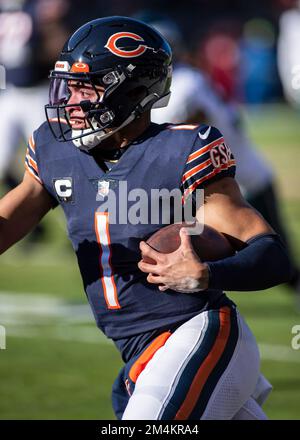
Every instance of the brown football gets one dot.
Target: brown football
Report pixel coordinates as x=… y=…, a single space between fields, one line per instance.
x=210 y=245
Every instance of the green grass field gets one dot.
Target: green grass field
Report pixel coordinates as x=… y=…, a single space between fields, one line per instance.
x=57 y=365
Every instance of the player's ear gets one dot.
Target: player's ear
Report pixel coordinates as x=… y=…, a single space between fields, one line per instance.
x=138 y=93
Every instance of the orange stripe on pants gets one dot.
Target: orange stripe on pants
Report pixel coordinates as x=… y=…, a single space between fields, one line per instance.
x=206 y=367
x=147 y=354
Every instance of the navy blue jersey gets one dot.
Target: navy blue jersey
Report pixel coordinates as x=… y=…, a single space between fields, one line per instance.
x=106 y=237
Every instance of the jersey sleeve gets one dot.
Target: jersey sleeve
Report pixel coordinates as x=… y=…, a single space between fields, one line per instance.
x=31 y=161
x=31 y=165
x=210 y=159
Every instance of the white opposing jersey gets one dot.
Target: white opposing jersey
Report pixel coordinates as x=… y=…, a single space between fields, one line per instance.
x=289 y=55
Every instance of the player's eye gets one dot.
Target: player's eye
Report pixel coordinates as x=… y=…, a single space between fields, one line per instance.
x=86 y=93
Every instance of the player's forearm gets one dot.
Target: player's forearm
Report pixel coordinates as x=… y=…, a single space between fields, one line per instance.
x=13 y=226
x=264 y=263
x=11 y=233
x=20 y=211
x=11 y=221
x=2 y=233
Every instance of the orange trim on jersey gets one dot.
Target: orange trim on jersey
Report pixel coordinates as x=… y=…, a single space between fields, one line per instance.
x=147 y=355
x=31 y=173
x=109 y=306
x=204 y=149
x=32 y=163
x=195 y=169
x=183 y=127
x=198 y=153
x=198 y=182
x=207 y=366
x=31 y=143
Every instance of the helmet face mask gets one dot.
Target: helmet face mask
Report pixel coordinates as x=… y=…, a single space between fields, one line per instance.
x=97 y=116
x=133 y=78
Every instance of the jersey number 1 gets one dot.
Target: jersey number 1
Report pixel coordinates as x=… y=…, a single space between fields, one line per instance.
x=107 y=276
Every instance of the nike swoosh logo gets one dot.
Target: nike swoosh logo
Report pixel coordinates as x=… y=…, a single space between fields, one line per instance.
x=204 y=135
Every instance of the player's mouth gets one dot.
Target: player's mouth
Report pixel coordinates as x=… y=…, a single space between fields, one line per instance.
x=77 y=122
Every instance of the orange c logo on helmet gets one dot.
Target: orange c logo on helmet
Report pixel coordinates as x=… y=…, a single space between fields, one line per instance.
x=111 y=45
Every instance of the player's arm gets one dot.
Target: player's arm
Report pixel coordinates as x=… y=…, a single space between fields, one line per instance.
x=226 y=210
x=21 y=210
x=261 y=261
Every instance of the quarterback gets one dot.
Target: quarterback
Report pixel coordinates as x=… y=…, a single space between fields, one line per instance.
x=188 y=354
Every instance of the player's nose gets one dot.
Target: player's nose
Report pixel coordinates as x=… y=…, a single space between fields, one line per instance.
x=73 y=104
x=73 y=100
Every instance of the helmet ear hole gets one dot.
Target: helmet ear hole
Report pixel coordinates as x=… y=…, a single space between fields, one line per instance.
x=137 y=94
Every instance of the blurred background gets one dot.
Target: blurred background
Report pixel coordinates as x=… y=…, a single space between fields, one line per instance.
x=236 y=65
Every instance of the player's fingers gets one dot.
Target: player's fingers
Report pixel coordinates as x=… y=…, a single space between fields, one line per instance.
x=148 y=251
x=154 y=279
x=163 y=288
x=148 y=268
x=185 y=239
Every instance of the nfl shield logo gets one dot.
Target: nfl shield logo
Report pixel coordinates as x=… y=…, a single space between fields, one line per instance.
x=103 y=189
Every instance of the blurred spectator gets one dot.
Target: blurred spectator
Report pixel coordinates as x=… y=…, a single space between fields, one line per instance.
x=289 y=54
x=219 y=56
x=27 y=60
x=258 y=71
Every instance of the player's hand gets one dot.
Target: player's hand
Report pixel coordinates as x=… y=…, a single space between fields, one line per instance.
x=181 y=270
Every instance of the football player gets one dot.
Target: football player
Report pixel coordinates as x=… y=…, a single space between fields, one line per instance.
x=188 y=353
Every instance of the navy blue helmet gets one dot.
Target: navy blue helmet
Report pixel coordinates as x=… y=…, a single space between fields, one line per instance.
x=128 y=58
